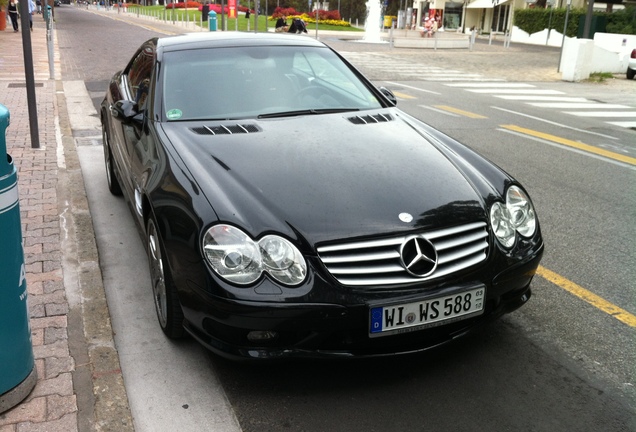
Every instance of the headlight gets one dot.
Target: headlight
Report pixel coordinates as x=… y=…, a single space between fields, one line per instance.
x=521 y=211
x=517 y=215
x=237 y=258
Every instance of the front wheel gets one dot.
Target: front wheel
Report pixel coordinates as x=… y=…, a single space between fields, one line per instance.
x=164 y=293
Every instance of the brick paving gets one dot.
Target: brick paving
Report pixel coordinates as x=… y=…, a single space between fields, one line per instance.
x=52 y=405
x=79 y=385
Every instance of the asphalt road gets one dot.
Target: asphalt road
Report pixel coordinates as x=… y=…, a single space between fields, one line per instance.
x=559 y=363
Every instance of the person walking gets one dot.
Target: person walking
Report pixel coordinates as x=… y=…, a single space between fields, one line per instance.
x=31 y=10
x=12 y=8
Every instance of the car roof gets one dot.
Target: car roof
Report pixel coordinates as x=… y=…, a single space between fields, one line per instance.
x=232 y=39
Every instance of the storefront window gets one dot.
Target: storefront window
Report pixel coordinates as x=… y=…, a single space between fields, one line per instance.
x=500 y=18
x=425 y=11
x=453 y=16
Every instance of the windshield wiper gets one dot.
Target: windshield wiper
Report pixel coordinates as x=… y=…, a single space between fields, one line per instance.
x=306 y=112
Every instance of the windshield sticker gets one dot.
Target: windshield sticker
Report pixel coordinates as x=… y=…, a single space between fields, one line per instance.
x=174 y=114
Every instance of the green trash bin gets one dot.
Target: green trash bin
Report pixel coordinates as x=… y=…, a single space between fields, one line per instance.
x=17 y=365
x=212 y=20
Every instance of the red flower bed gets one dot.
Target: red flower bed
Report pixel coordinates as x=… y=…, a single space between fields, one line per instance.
x=322 y=14
x=284 y=12
x=189 y=5
x=217 y=8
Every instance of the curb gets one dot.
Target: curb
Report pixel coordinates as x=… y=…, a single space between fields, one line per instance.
x=97 y=379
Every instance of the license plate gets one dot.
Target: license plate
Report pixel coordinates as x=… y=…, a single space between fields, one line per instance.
x=407 y=317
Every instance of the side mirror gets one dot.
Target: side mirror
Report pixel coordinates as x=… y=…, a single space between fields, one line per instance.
x=125 y=111
x=388 y=94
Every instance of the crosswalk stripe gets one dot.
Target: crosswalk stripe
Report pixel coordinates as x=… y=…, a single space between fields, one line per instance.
x=602 y=113
x=628 y=125
x=380 y=67
x=541 y=98
x=497 y=85
x=584 y=105
x=404 y=69
x=448 y=78
x=515 y=91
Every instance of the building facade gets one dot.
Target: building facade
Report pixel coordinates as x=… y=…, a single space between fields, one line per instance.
x=485 y=16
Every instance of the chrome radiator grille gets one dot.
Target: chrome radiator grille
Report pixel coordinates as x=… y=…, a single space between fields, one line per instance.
x=378 y=262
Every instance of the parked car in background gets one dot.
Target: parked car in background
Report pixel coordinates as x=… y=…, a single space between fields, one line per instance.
x=289 y=209
x=631 y=65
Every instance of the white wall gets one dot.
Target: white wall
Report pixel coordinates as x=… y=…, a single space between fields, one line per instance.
x=606 y=53
x=612 y=51
x=539 y=38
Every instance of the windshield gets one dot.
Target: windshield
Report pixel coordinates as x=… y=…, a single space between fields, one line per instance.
x=244 y=82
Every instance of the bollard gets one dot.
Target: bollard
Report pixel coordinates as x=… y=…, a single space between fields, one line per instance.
x=17 y=366
x=212 y=20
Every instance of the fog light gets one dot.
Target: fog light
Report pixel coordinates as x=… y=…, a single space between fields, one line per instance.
x=261 y=335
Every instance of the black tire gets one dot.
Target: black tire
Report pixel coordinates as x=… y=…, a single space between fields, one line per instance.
x=111 y=177
x=631 y=73
x=164 y=293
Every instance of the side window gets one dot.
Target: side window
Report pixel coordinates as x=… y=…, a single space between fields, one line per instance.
x=139 y=76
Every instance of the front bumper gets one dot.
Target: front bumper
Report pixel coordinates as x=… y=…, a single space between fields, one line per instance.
x=232 y=327
x=326 y=332
x=323 y=330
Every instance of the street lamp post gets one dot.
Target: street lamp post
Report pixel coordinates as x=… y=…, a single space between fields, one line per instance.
x=551 y=3
x=565 y=28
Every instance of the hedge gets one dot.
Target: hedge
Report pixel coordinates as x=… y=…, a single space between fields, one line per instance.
x=536 y=19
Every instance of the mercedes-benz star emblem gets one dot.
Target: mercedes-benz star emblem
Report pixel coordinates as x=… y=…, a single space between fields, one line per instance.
x=405 y=217
x=418 y=256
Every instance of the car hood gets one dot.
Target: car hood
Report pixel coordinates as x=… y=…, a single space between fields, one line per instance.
x=324 y=177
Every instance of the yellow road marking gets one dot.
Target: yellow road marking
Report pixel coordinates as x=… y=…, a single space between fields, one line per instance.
x=585 y=147
x=588 y=296
x=460 y=112
x=403 y=95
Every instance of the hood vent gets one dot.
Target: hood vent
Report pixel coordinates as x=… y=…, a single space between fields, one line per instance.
x=226 y=130
x=377 y=118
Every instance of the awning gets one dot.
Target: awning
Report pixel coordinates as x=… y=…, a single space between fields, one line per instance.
x=485 y=4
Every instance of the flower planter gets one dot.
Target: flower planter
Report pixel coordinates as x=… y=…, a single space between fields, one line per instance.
x=3 y=20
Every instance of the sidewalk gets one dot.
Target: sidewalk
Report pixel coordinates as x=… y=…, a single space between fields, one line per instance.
x=79 y=386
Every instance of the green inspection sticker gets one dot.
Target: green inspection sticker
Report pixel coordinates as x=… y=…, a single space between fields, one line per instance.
x=174 y=114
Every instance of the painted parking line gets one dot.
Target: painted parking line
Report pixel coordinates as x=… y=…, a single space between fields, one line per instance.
x=588 y=296
x=574 y=144
x=401 y=95
x=561 y=125
x=460 y=112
